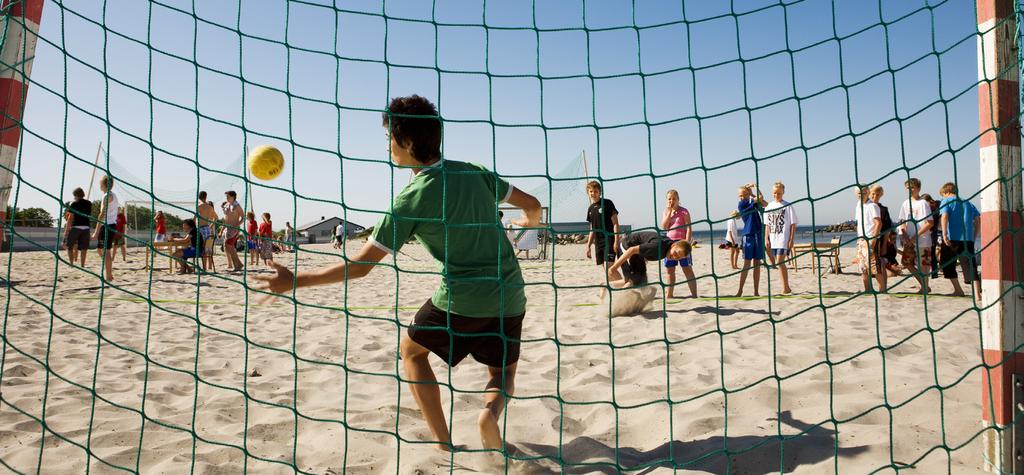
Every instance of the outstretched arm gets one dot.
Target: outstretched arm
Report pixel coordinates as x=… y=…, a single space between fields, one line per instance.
x=355 y=267
x=529 y=205
x=622 y=259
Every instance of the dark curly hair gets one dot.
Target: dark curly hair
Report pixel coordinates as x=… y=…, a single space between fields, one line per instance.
x=414 y=120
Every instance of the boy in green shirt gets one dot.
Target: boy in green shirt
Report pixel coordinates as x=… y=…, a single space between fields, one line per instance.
x=451 y=209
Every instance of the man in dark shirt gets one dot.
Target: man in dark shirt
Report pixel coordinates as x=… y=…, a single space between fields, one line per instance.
x=639 y=248
x=77 y=234
x=604 y=228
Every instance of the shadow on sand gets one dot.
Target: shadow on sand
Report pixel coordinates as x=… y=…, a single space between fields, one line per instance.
x=747 y=454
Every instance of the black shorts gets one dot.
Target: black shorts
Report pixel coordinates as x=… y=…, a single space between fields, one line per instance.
x=108 y=237
x=604 y=251
x=493 y=341
x=78 y=239
x=962 y=253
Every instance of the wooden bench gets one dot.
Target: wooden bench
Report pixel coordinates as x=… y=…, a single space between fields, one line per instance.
x=815 y=251
x=166 y=247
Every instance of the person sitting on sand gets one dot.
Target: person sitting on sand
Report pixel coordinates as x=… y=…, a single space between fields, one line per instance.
x=192 y=243
x=749 y=209
x=780 y=222
x=639 y=248
x=479 y=308
x=676 y=222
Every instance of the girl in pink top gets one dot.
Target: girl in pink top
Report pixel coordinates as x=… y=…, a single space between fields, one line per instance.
x=676 y=220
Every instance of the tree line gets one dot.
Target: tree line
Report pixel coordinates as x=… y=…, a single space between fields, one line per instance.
x=139 y=217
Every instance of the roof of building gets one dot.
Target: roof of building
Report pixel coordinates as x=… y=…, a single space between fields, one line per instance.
x=325 y=220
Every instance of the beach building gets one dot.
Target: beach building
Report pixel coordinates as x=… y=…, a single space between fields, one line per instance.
x=322 y=230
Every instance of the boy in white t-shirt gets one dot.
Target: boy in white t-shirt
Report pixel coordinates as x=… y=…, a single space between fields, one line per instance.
x=779 y=230
x=915 y=231
x=869 y=224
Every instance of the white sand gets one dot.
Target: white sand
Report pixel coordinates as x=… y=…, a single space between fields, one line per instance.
x=615 y=377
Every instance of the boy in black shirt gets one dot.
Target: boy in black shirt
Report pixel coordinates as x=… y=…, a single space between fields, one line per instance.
x=604 y=229
x=77 y=234
x=639 y=248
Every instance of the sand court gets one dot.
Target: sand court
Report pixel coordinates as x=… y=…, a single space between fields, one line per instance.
x=314 y=388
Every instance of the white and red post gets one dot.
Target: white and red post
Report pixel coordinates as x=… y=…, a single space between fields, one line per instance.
x=1002 y=313
x=21 y=20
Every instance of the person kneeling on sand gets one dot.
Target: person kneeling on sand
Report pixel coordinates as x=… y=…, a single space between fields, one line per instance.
x=478 y=310
x=191 y=241
x=639 y=248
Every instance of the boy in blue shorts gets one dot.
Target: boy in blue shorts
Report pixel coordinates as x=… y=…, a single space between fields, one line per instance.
x=451 y=209
x=749 y=209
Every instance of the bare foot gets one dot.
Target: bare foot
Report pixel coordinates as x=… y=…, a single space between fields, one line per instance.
x=670 y=296
x=959 y=294
x=740 y=294
x=490 y=433
x=787 y=290
x=757 y=294
x=448 y=447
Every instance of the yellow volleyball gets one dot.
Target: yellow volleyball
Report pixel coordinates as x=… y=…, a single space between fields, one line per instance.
x=266 y=162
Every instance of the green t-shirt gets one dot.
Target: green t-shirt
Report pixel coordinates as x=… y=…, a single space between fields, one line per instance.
x=451 y=208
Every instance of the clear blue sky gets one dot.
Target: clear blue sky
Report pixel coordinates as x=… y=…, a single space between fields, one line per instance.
x=657 y=88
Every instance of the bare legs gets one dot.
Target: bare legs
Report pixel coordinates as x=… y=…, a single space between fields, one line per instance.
x=669 y=294
x=425 y=390
x=691 y=281
x=757 y=276
x=234 y=263
x=784 y=273
x=881 y=277
x=501 y=382
x=108 y=262
x=427 y=393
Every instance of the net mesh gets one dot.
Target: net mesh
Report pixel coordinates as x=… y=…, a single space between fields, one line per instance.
x=139 y=375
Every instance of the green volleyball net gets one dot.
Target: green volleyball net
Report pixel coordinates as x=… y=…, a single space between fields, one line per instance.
x=153 y=372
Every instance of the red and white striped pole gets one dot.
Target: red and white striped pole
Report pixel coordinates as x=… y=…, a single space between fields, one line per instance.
x=20 y=22
x=1002 y=313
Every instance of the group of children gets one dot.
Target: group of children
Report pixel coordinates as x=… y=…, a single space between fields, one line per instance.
x=200 y=239
x=928 y=230
x=925 y=229
x=198 y=242
x=479 y=307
